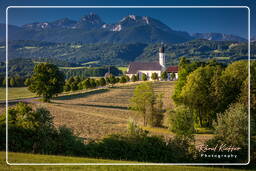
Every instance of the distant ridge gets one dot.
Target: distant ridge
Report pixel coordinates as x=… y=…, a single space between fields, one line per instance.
x=91 y=29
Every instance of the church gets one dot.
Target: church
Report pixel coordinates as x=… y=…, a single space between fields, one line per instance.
x=149 y=68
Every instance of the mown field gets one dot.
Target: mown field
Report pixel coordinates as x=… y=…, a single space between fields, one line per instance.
x=21 y=157
x=95 y=114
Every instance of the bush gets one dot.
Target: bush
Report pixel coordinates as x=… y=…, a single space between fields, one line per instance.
x=134 y=130
x=140 y=148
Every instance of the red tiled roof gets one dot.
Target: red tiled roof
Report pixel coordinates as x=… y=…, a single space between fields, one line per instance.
x=172 y=69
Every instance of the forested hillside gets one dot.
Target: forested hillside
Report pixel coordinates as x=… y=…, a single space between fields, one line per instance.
x=75 y=54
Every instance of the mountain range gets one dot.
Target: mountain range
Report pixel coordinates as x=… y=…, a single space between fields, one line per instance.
x=91 y=29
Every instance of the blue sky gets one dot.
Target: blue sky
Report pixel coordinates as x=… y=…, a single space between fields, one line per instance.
x=230 y=21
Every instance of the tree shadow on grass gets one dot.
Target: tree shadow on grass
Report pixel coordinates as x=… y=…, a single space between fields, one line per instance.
x=104 y=106
x=81 y=95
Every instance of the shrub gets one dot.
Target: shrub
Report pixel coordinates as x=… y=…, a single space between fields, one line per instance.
x=139 y=148
x=134 y=129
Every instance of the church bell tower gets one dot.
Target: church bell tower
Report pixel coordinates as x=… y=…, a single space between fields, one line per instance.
x=162 y=56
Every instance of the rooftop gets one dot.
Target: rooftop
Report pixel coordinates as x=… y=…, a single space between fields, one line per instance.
x=134 y=67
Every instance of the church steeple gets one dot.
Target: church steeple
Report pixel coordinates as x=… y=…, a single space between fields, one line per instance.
x=162 y=56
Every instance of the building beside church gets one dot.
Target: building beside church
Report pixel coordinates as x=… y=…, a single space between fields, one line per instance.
x=149 y=68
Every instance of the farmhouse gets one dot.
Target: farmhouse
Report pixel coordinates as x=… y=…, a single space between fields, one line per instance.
x=149 y=68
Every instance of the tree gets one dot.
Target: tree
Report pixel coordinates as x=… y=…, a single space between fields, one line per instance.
x=185 y=68
x=46 y=80
x=123 y=79
x=97 y=83
x=157 y=113
x=80 y=85
x=154 y=76
x=92 y=83
x=232 y=126
x=86 y=83
x=66 y=86
x=102 y=82
x=172 y=76
x=111 y=79
x=196 y=94
x=143 y=100
x=181 y=121
x=227 y=87
x=116 y=80
x=164 y=75
x=24 y=116
x=134 y=78
x=127 y=78
x=12 y=82
x=144 y=77
x=4 y=82
x=72 y=83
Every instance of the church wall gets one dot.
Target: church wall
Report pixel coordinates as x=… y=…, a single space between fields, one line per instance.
x=148 y=73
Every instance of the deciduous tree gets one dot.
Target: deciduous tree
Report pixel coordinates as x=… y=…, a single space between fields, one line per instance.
x=154 y=76
x=143 y=100
x=46 y=81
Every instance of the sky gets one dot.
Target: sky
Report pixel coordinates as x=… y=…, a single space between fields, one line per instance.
x=193 y=20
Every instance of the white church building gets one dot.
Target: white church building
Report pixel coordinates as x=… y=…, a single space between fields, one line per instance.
x=149 y=68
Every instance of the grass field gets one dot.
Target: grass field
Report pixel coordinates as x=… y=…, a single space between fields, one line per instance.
x=123 y=69
x=222 y=58
x=82 y=67
x=21 y=157
x=16 y=93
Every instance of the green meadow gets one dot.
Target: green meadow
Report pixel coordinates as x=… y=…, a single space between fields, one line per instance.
x=32 y=158
x=16 y=93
